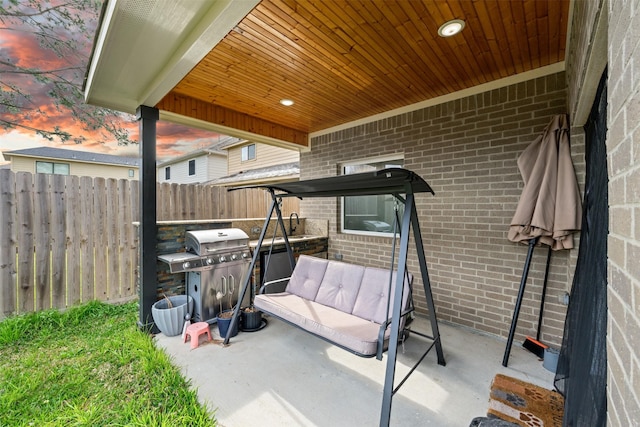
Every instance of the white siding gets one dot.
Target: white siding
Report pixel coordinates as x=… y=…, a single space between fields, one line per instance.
x=217 y=167
x=180 y=171
x=208 y=167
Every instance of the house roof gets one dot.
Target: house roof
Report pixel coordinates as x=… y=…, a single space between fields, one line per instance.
x=74 y=155
x=282 y=172
x=225 y=65
x=193 y=154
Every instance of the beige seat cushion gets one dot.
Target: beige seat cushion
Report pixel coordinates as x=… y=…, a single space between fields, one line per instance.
x=343 y=303
x=346 y=330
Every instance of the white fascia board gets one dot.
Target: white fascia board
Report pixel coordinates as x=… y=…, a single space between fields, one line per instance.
x=96 y=58
x=109 y=80
x=222 y=17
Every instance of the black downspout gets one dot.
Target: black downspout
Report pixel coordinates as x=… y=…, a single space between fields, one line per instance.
x=147 y=118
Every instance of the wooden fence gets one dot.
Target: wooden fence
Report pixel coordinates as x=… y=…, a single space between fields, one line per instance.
x=68 y=239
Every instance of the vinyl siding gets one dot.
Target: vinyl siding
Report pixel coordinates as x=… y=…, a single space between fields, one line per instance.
x=28 y=164
x=217 y=167
x=208 y=167
x=266 y=155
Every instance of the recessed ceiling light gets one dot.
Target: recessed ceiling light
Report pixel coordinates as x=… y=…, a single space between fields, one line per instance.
x=451 y=28
x=286 y=102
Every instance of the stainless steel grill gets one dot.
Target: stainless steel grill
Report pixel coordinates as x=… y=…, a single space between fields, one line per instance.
x=216 y=263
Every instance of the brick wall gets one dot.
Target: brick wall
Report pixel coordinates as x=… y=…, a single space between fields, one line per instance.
x=623 y=157
x=466 y=149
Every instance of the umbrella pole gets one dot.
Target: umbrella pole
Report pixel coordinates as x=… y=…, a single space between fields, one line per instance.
x=516 y=311
x=544 y=292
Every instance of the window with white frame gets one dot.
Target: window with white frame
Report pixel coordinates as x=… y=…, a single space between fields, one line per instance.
x=131 y=173
x=167 y=173
x=370 y=214
x=53 y=168
x=248 y=152
x=192 y=167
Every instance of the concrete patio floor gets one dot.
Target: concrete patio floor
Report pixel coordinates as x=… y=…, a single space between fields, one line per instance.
x=282 y=376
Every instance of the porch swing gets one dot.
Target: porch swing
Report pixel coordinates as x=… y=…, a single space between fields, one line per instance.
x=372 y=310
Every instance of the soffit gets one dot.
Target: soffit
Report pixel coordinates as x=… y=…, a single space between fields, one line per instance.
x=143 y=48
x=340 y=60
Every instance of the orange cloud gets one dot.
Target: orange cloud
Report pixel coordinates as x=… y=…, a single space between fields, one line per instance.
x=21 y=47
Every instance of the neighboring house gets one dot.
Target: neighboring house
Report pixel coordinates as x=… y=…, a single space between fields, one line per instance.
x=258 y=163
x=195 y=167
x=61 y=161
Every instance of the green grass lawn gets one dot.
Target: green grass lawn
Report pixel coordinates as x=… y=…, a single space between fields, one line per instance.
x=90 y=366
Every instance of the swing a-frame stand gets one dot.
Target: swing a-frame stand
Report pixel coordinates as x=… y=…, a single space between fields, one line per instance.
x=403 y=185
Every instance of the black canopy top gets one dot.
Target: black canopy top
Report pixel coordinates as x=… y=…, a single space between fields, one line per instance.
x=385 y=181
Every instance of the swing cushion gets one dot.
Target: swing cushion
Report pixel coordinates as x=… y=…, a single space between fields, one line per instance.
x=372 y=298
x=305 y=281
x=345 y=330
x=348 y=308
x=340 y=286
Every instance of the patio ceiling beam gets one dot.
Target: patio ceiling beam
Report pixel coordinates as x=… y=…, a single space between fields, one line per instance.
x=182 y=108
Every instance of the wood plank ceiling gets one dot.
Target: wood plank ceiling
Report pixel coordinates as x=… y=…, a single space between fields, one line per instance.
x=342 y=60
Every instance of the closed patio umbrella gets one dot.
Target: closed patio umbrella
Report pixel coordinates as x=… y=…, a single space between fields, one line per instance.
x=550 y=208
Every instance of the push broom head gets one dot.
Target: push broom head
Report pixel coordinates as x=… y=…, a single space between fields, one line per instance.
x=535 y=347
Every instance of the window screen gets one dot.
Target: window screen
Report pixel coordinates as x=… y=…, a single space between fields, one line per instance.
x=53 y=168
x=248 y=152
x=44 y=167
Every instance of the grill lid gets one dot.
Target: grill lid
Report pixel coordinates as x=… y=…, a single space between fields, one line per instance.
x=203 y=242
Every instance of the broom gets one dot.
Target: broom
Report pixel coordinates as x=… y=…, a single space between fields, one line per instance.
x=534 y=345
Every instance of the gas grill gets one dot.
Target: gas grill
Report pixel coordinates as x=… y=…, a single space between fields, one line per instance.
x=216 y=263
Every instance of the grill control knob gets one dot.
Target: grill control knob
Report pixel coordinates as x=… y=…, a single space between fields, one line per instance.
x=244 y=255
x=209 y=261
x=222 y=258
x=186 y=265
x=234 y=257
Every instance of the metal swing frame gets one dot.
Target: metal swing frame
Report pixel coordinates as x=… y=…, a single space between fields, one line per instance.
x=395 y=181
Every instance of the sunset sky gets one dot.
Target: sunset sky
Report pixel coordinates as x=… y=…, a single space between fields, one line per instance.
x=21 y=47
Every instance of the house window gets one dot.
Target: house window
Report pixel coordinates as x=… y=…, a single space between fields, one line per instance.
x=167 y=173
x=53 y=168
x=248 y=152
x=131 y=173
x=370 y=214
x=192 y=167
